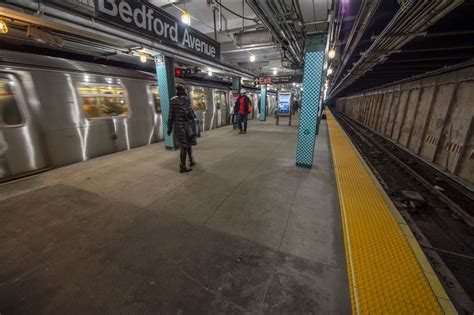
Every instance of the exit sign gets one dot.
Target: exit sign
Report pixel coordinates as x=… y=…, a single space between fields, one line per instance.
x=265 y=80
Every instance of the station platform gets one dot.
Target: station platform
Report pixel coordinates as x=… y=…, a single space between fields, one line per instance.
x=245 y=232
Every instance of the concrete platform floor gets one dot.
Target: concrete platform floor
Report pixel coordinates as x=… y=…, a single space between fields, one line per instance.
x=245 y=232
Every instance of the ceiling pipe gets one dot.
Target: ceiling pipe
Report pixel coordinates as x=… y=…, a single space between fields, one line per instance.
x=363 y=19
x=417 y=17
x=286 y=27
x=258 y=12
x=267 y=15
x=265 y=46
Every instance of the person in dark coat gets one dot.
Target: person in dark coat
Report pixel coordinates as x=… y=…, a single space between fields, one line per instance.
x=296 y=106
x=241 y=107
x=180 y=112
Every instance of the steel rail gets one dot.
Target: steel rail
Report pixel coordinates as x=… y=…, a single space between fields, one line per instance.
x=466 y=217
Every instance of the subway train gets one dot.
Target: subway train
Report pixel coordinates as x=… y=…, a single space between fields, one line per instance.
x=55 y=112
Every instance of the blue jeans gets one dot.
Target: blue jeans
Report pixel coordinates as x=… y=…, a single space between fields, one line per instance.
x=243 y=121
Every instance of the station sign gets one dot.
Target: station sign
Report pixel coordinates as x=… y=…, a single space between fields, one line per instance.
x=265 y=80
x=157 y=24
x=281 y=79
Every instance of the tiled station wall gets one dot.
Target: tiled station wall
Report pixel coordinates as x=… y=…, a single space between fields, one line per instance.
x=432 y=117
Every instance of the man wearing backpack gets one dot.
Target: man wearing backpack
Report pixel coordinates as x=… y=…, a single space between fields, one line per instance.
x=243 y=106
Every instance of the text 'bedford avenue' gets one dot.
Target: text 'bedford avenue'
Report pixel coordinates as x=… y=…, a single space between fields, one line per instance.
x=139 y=16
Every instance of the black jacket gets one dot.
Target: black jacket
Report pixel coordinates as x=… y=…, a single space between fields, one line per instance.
x=180 y=111
x=247 y=102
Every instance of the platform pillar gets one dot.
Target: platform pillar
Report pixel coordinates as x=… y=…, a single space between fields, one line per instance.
x=236 y=84
x=312 y=81
x=263 y=102
x=167 y=88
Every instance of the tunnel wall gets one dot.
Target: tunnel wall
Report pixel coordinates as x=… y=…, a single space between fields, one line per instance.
x=432 y=117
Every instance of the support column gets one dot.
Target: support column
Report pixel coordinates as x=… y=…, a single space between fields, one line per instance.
x=263 y=102
x=167 y=88
x=312 y=81
x=236 y=84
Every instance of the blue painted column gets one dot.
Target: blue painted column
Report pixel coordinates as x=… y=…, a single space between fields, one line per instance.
x=312 y=80
x=263 y=102
x=166 y=85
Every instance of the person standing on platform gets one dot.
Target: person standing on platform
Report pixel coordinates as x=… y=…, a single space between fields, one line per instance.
x=243 y=106
x=295 y=106
x=181 y=118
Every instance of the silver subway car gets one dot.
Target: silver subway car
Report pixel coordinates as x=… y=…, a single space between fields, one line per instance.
x=55 y=112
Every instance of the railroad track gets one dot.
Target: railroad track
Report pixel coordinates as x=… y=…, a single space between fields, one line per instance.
x=454 y=205
x=443 y=225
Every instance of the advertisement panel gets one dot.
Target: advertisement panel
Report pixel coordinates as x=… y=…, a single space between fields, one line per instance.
x=284 y=103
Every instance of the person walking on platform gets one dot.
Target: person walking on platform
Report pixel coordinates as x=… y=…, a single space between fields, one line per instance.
x=243 y=106
x=182 y=119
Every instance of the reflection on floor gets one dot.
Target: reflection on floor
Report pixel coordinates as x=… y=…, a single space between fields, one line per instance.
x=246 y=231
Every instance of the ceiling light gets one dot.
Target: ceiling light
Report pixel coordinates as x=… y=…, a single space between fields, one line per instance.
x=3 y=27
x=294 y=84
x=329 y=71
x=143 y=58
x=209 y=73
x=252 y=58
x=275 y=71
x=332 y=53
x=186 y=18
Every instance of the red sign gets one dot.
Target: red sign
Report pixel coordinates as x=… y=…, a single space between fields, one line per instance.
x=265 y=80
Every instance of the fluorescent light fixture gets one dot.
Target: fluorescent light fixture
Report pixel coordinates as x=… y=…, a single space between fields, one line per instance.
x=209 y=72
x=143 y=58
x=275 y=71
x=252 y=58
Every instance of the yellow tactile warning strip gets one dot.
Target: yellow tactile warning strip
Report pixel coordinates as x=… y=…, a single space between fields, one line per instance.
x=385 y=274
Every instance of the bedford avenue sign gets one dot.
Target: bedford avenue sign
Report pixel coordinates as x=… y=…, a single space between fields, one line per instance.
x=157 y=25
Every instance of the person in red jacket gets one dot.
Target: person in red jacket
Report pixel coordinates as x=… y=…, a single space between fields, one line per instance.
x=243 y=107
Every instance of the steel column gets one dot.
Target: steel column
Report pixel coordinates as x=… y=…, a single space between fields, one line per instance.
x=312 y=80
x=263 y=101
x=166 y=86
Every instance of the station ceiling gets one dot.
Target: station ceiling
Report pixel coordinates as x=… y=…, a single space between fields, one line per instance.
x=398 y=40
x=231 y=27
x=418 y=36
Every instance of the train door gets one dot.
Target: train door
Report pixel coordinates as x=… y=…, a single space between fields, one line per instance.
x=199 y=102
x=154 y=96
x=221 y=107
x=225 y=108
x=252 y=97
x=21 y=147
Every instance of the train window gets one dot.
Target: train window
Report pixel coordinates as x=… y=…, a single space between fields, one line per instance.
x=220 y=100
x=99 y=101
x=155 y=92
x=199 y=99
x=9 y=111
